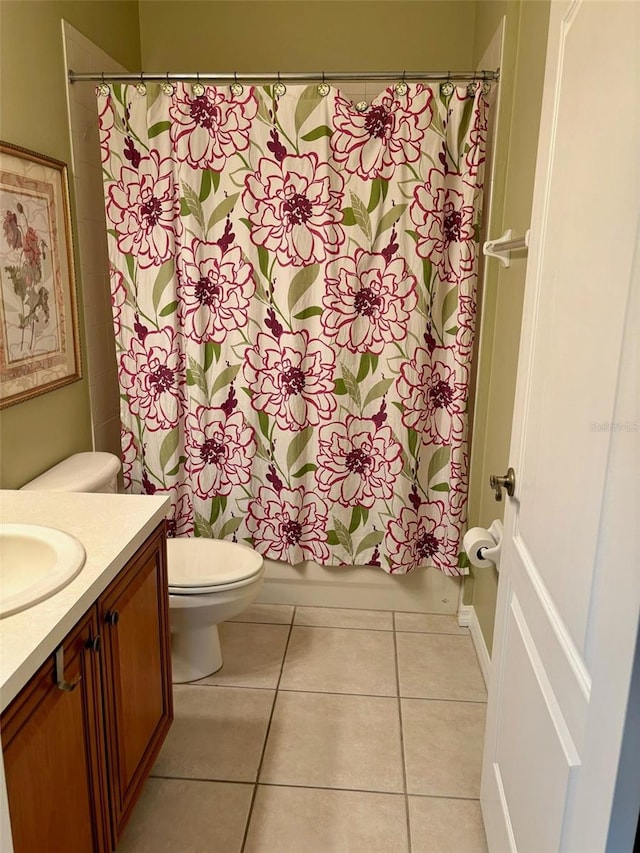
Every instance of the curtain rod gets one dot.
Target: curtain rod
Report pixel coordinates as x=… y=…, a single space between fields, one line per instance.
x=270 y=77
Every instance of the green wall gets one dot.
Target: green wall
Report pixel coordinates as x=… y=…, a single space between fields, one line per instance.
x=338 y=35
x=33 y=113
x=515 y=153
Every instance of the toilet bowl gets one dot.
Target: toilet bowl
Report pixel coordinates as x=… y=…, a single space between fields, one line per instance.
x=210 y=580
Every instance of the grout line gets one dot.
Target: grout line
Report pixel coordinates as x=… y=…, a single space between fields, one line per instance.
x=334 y=692
x=402 y=750
x=266 y=738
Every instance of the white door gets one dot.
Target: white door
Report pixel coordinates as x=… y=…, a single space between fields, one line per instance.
x=569 y=590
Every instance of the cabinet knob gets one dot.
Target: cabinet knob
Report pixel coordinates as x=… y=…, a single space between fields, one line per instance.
x=94 y=644
x=112 y=617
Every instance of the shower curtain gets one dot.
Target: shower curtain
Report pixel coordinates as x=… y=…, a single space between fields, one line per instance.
x=293 y=284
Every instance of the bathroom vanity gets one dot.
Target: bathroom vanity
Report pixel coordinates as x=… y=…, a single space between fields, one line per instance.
x=85 y=676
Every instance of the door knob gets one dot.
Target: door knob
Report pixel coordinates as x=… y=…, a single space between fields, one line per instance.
x=507 y=482
x=112 y=617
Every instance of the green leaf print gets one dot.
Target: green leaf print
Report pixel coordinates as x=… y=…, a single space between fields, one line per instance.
x=169 y=309
x=371 y=540
x=192 y=201
x=196 y=376
x=378 y=390
x=220 y=212
x=297 y=445
x=202 y=526
x=347 y=216
x=344 y=537
x=263 y=420
x=440 y=487
x=158 y=128
x=437 y=462
x=361 y=215
x=465 y=121
x=226 y=377
x=263 y=261
x=301 y=282
x=449 y=304
x=306 y=469
x=169 y=446
x=317 y=133
x=218 y=506
x=164 y=276
x=229 y=527
x=313 y=311
x=211 y=353
x=390 y=218
x=351 y=384
x=307 y=103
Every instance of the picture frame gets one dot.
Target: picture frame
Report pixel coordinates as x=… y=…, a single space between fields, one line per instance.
x=39 y=340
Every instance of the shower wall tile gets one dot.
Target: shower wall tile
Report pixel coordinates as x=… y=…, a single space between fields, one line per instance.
x=86 y=174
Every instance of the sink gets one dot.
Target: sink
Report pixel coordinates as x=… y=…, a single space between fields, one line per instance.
x=35 y=563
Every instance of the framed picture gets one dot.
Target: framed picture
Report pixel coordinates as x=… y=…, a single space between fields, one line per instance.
x=39 y=349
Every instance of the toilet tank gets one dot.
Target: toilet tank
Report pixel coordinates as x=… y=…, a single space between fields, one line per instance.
x=82 y=472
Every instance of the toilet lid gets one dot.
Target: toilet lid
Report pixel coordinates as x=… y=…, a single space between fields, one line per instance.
x=197 y=564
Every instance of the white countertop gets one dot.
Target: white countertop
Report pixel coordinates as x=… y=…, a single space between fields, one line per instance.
x=111 y=529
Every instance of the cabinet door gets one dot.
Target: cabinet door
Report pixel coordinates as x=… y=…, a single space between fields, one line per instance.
x=54 y=754
x=134 y=614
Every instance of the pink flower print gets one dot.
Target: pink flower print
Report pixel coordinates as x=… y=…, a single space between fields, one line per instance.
x=129 y=455
x=466 y=325
x=420 y=537
x=476 y=155
x=390 y=133
x=368 y=301
x=294 y=206
x=207 y=129
x=358 y=462
x=151 y=375
x=220 y=450
x=106 y=122
x=433 y=389
x=118 y=296
x=214 y=289
x=444 y=225
x=144 y=206
x=180 y=520
x=289 y=525
x=291 y=378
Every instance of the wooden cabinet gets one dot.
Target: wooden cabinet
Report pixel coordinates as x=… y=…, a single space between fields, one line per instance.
x=77 y=751
x=136 y=674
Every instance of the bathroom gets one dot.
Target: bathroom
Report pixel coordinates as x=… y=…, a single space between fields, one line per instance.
x=296 y=37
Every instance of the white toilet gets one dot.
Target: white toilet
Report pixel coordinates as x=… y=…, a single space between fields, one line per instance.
x=210 y=580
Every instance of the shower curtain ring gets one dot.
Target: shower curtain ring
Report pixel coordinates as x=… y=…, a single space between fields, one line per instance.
x=140 y=86
x=446 y=88
x=102 y=88
x=401 y=87
x=236 y=88
x=279 y=88
x=167 y=86
x=323 y=88
x=197 y=88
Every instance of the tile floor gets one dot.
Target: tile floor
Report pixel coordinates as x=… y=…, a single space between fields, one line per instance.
x=326 y=731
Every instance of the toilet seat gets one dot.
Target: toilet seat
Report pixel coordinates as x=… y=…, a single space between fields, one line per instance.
x=198 y=566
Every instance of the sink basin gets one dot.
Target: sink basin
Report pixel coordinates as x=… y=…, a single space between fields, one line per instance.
x=35 y=563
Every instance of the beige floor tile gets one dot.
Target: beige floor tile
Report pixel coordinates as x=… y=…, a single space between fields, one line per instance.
x=443 y=747
x=334 y=741
x=251 y=655
x=338 y=660
x=442 y=826
x=274 y=614
x=217 y=733
x=181 y=816
x=292 y=820
x=329 y=617
x=439 y=666
x=429 y=623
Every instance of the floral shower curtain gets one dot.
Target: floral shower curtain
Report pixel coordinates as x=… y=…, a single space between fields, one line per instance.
x=293 y=283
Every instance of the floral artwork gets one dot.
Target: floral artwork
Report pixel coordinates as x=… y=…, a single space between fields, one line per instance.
x=294 y=287
x=38 y=337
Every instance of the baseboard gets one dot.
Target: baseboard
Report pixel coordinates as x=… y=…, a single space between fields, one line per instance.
x=468 y=618
x=421 y=591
